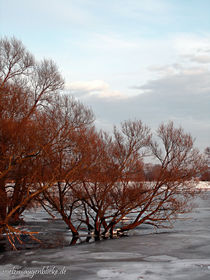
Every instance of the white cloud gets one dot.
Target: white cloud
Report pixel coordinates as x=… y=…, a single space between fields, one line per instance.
x=199 y=58
x=89 y=86
x=182 y=96
x=97 y=88
x=191 y=53
x=178 y=69
x=67 y=12
x=166 y=69
x=191 y=44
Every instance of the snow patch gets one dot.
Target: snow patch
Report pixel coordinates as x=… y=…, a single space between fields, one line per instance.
x=114 y=255
x=203 y=185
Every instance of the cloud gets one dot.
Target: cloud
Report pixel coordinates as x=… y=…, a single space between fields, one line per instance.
x=182 y=96
x=179 y=70
x=166 y=69
x=88 y=86
x=184 y=80
x=97 y=88
x=192 y=48
x=186 y=43
x=199 y=58
x=178 y=91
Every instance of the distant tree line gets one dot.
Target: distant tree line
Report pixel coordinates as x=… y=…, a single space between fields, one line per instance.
x=205 y=176
x=51 y=155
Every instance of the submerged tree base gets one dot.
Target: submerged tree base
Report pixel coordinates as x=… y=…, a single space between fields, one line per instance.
x=50 y=234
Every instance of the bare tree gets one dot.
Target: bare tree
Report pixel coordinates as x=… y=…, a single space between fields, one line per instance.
x=27 y=89
x=205 y=176
x=207 y=153
x=169 y=194
x=50 y=152
x=101 y=184
x=112 y=196
x=72 y=165
x=15 y=61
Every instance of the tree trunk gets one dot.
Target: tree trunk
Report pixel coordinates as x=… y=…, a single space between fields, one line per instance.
x=70 y=225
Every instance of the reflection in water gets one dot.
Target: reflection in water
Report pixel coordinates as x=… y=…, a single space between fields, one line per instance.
x=2 y=244
x=51 y=234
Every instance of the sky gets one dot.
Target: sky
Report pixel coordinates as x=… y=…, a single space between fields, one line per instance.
x=126 y=59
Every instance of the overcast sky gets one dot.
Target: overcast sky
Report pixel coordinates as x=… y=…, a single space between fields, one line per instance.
x=126 y=59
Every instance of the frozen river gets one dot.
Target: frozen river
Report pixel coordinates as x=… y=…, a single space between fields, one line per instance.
x=179 y=253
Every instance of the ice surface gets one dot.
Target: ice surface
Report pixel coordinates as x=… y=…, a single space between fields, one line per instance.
x=181 y=253
x=179 y=269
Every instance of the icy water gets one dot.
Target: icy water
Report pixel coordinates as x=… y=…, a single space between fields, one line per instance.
x=179 y=253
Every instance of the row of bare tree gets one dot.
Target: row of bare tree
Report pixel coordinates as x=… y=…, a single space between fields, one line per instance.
x=52 y=155
x=205 y=176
